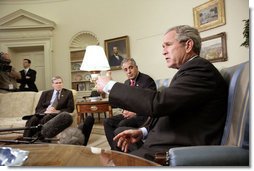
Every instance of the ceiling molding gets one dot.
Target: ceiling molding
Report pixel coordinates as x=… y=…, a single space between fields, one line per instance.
x=20 y=2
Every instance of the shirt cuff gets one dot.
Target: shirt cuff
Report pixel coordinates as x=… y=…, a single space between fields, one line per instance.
x=144 y=132
x=108 y=86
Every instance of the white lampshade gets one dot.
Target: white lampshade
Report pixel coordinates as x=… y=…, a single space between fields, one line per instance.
x=94 y=59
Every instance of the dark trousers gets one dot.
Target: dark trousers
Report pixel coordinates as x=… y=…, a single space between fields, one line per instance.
x=110 y=124
x=35 y=120
x=86 y=128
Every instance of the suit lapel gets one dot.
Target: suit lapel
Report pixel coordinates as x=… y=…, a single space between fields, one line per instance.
x=62 y=94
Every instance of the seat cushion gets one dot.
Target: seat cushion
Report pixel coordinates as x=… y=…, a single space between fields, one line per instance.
x=12 y=122
x=16 y=104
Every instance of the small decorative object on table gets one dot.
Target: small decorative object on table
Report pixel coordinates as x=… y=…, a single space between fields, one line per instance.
x=12 y=157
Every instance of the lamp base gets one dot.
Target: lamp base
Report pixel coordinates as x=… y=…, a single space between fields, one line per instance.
x=95 y=96
x=95 y=93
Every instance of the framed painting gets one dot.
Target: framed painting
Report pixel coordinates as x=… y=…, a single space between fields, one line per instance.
x=214 y=48
x=209 y=15
x=116 y=50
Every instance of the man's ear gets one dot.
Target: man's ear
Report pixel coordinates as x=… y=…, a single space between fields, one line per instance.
x=189 y=45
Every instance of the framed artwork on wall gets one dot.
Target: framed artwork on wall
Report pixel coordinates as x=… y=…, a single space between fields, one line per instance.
x=116 y=50
x=214 y=48
x=209 y=15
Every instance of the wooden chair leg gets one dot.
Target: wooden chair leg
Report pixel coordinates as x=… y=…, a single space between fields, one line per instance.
x=99 y=117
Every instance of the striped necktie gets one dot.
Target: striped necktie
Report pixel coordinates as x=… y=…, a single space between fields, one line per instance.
x=55 y=102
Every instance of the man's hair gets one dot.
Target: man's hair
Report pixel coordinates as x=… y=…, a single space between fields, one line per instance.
x=133 y=62
x=28 y=60
x=184 y=33
x=56 y=78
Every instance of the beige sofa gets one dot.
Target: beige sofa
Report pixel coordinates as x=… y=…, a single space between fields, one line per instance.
x=13 y=106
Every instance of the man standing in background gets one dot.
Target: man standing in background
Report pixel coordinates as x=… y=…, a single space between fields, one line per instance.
x=28 y=77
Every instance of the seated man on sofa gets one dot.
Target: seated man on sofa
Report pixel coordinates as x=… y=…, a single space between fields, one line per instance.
x=51 y=103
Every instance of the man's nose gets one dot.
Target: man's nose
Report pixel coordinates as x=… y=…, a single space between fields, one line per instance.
x=164 y=52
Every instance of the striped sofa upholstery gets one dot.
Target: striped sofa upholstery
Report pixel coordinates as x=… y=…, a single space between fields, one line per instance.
x=234 y=148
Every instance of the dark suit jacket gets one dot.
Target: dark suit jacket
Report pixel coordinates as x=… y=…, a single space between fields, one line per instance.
x=65 y=103
x=142 y=81
x=30 y=82
x=113 y=61
x=191 y=111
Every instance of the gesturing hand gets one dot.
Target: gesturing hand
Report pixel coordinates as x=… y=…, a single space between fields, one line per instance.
x=127 y=137
x=101 y=81
x=128 y=114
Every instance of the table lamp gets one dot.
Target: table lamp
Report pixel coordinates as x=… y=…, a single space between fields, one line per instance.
x=94 y=61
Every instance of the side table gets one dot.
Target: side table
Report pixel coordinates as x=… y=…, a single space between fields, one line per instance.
x=101 y=106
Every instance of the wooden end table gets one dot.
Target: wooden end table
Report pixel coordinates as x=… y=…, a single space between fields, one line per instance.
x=101 y=106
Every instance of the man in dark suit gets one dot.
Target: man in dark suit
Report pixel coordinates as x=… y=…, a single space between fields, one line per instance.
x=115 y=59
x=128 y=118
x=28 y=77
x=191 y=111
x=51 y=103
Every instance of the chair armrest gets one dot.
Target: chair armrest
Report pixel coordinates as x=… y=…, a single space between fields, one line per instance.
x=208 y=156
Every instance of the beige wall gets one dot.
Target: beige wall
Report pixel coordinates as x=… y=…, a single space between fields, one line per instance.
x=144 y=21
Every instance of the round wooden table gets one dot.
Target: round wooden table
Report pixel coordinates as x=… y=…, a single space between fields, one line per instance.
x=74 y=155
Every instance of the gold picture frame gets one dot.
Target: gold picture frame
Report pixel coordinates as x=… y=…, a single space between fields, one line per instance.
x=214 y=48
x=122 y=43
x=209 y=15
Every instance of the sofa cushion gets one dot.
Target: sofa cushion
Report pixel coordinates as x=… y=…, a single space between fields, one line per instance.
x=16 y=104
x=12 y=122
